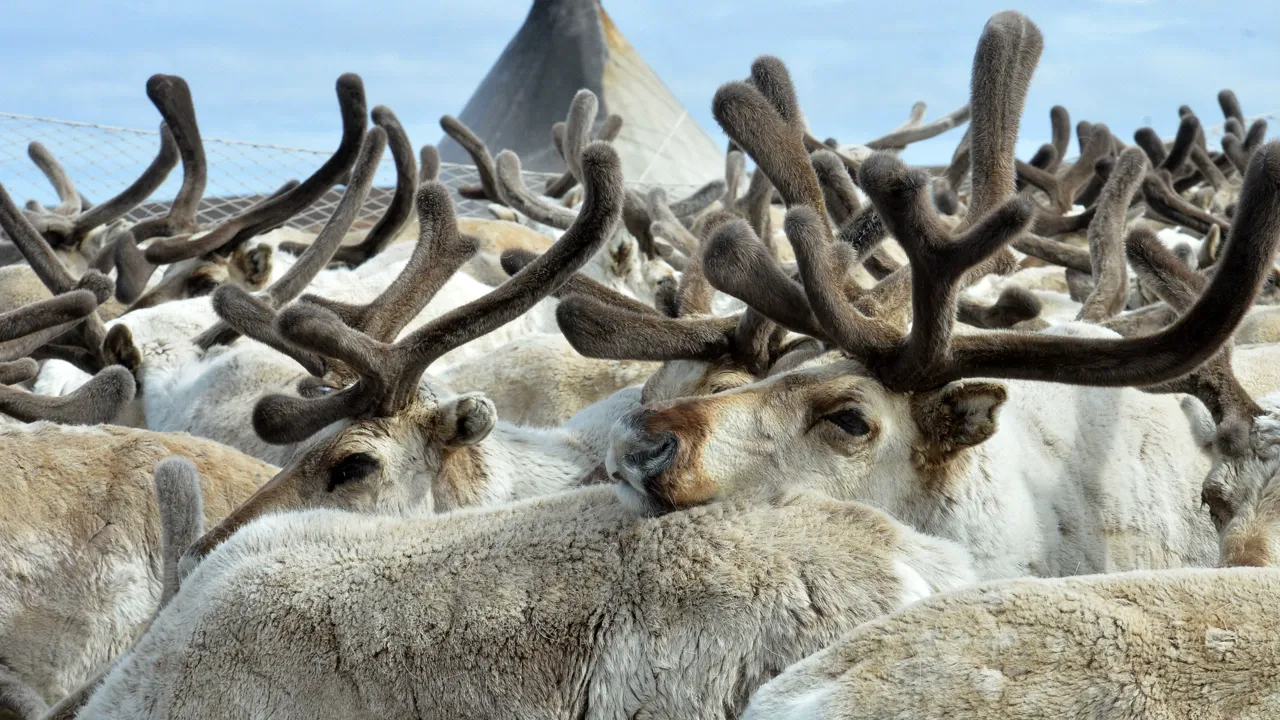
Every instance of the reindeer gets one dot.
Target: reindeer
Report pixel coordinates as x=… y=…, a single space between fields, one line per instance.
x=181 y=508
x=1171 y=644
x=579 y=607
x=73 y=508
x=1068 y=481
x=392 y=441
x=1177 y=643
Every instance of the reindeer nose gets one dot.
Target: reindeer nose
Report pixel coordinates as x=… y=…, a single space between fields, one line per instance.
x=639 y=454
x=651 y=455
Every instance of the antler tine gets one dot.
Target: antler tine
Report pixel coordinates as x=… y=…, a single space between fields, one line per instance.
x=514 y=260
x=389 y=374
x=33 y=247
x=903 y=137
x=599 y=217
x=1230 y=106
x=1106 y=238
x=1233 y=147
x=48 y=268
x=1170 y=353
x=609 y=131
x=1208 y=169
x=960 y=160
x=133 y=271
x=946 y=189
x=519 y=197
x=1060 y=122
x=68 y=198
x=1150 y=142
x=914 y=119
x=738 y=264
x=1062 y=189
x=428 y=164
x=1233 y=127
x=938 y=262
x=1014 y=305
x=1006 y=57
x=317 y=256
x=266 y=215
x=1164 y=201
x=479 y=153
x=1256 y=135
x=255 y=318
x=837 y=187
x=1188 y=128
x=699 y=199
x=1214 y=383
x=397 y=213
x=18 y=371
x=694 y=293
x=97 y=401
x=1055 y=252
x=577 y=130
x=148 y=182
x=172 y=97
x=598 y=330
x=735 y=172
x=440 y=251
x=25 y=329
x=758 y=202
x=763 y=118
x=660 y=212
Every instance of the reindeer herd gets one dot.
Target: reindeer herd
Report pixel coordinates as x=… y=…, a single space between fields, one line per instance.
x=838 y=438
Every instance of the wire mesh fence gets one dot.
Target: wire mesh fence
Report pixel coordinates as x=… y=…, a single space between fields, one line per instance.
x=102 y=160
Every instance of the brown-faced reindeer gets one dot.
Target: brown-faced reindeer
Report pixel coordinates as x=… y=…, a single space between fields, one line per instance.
x=1069 y=479
x=1175 y=643
x=389 y=441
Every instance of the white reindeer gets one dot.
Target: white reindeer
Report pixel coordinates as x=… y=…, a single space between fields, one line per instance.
x=1068 y=481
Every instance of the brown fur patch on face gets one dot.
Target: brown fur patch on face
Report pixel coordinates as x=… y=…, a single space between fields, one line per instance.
x=684 y=483
x=1246 y=549
x=950 y=421
x=203 y=280
x=463 y=475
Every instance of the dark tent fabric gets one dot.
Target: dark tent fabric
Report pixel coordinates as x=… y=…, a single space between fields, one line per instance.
x=566 y=45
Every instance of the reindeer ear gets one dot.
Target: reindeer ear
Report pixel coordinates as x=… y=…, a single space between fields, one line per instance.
x=467 y=419
x=254 y=264
x=958 y=416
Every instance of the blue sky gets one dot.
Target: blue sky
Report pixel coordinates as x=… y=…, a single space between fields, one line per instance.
x=264 y=70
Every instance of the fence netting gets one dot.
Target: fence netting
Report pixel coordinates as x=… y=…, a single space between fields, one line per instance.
x=102 y=160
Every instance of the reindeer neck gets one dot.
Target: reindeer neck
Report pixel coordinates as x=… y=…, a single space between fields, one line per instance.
x=523 y=462
x=1075 y=481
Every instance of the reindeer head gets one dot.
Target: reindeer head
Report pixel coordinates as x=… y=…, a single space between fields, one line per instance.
x=249 y=268
x=891 y=403
x=1241 y=490
x=389 y=440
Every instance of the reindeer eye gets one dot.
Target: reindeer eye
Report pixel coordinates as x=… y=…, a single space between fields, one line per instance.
x=201 y=285
x=1219 y=506
x=850 y=421
x=351 y=468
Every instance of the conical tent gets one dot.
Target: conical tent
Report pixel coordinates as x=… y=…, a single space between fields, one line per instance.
x=567 y=45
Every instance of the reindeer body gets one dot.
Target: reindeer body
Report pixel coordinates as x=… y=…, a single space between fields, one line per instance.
x=575 y=607
x=79 y=538
x=1129 y=646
